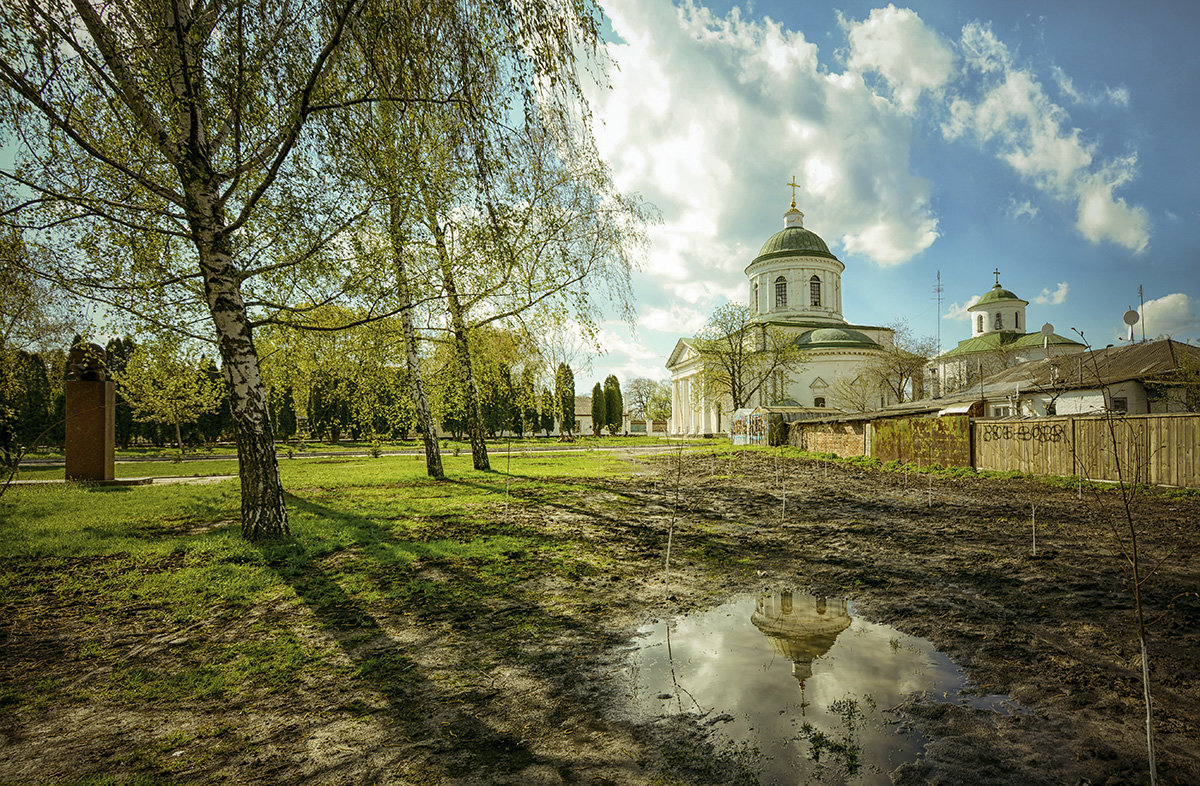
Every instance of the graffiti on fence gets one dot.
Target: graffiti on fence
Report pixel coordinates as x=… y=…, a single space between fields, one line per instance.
x=1024 y=432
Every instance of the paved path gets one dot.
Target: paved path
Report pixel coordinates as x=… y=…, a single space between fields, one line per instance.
x=492 y=451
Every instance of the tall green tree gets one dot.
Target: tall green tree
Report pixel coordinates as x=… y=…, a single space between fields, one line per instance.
x=164 y=381
x=564 y=399
x=116 y=354
x=527 y=402
x=32 y=327
x=599 y=410
x=25 y=404
x=547 y=410
x=283 y=404
x=614 y=404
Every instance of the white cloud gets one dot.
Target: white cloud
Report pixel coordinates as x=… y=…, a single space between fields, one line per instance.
x=1021 y=209
x=1103 y=216
x=1031 y=134
x=1114 y=95
x=677 y=320
x=896 y=44
x=1058 y=296
x=1170 y=315
x=707 y=114
x=958 y=312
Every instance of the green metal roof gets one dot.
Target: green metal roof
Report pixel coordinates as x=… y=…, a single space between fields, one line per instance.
x=792 y=241
x=995 y=294
x=989 y=342
x=835 y=337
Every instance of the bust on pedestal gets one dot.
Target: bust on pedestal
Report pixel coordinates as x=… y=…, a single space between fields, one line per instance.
x=91 y=415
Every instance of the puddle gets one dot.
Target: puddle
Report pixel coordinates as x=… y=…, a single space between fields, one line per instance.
x=797 y=683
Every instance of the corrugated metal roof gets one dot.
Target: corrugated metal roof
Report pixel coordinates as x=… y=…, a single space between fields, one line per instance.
x=1098 y=367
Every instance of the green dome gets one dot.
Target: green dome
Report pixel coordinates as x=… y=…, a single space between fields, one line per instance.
x=835 y=337
x=995 y=294
x=794 y=240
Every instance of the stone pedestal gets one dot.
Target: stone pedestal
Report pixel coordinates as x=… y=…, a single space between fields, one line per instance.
x=91 y=429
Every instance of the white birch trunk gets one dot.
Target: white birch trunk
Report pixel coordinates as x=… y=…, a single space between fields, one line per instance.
x=264 y=514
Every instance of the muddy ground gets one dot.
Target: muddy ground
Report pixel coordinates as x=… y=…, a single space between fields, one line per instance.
x=521 y=689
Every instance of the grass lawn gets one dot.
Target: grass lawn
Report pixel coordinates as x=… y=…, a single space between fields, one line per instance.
x=365 y=533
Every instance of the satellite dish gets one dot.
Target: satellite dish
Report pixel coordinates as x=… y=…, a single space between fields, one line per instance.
x=1047 y=329
x=1131 y=317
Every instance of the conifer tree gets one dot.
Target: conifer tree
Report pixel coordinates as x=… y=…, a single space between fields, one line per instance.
x=564 y=398
x=614 y=405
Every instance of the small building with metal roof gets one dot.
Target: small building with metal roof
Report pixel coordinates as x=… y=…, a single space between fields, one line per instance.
x=999 y=340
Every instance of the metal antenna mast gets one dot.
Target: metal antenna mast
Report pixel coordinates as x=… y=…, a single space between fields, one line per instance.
x=1142 y=312
x=937 y=295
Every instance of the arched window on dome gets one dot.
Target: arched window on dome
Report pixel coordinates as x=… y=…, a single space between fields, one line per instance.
x=754 y=299
x=999 y=321
x=814 y=291
x=781 y=292
x=1017 y=320
x=979 y=324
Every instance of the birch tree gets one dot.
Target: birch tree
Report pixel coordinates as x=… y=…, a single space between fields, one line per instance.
x=170 y=151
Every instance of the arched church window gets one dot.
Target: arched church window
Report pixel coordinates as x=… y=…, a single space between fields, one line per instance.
x=754 y=305
x=819 y=401
x=999 y=321
x=781 y=292
x=979 y=324
x=814 y=290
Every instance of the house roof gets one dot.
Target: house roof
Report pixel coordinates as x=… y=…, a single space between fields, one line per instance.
x=1106 y=366
x=681 y=347
x=793 y=241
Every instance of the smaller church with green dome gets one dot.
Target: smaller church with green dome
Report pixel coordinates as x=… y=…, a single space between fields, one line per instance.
x=999 y=339
x=795 y=284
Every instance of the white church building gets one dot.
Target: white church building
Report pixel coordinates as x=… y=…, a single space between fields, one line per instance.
x=795 y=283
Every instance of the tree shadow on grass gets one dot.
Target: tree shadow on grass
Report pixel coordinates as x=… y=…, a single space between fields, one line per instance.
x=462 y=740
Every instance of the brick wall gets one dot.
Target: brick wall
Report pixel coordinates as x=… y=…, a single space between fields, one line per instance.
x=842 y=439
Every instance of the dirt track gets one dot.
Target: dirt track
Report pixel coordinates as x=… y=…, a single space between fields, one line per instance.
x=486 y=702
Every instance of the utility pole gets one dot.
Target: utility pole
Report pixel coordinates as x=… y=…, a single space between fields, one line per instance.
x=937 y=295
x=1141 y=312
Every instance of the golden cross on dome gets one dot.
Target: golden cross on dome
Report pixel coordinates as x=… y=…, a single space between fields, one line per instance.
x=997 y=272
x=794 y=186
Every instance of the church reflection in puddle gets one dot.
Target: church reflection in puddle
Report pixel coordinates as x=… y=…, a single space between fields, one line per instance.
x=798 y=678
x=801 y=628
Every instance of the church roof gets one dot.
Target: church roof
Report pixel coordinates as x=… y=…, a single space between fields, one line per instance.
x=794 y=241
x=990 y=342
x=995 y=295
x=835 y=337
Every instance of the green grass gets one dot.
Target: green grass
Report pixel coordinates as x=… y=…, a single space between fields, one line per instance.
x=369 y=536
x=221 y=460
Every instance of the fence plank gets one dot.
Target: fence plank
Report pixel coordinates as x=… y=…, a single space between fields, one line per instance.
x=1156 y=449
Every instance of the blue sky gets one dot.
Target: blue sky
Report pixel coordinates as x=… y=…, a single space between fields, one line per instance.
x=1055 y=141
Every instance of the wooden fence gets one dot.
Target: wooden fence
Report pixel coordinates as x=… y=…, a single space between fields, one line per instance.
x=1156 y=449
